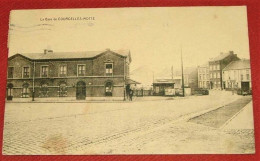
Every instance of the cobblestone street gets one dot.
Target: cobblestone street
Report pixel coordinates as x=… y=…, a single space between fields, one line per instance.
x=138 y=127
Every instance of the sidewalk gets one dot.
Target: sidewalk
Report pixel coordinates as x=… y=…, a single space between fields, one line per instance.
x=88 y=99
x=243 y=120
x=65 y=100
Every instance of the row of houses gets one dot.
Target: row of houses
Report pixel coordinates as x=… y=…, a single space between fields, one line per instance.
x=69 y=74
x=225 y=72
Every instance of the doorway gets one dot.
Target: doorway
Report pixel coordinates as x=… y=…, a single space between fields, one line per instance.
x=81 y=91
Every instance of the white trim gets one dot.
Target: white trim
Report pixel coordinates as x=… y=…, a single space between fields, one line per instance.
x=47 y=71
x=78 y=69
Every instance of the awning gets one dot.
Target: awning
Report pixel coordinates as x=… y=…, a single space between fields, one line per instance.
x=130 y=81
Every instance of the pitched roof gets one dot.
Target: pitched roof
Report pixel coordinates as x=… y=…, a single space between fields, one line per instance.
x=163 y=81
x=72 y=55
x=130 y=81
x=220 y=57
x=239 y=64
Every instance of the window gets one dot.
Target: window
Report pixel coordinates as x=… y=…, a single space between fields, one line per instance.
x=63 y=90
x=10 y=72
x=25 y=91
x=157 y=89
x=108 y=89
x=109 y=69
x=44 y=71
x=81 y=70
x=10 y=90
x=218 y=67
x=26 y=72
x=63 y=70
x=44 y=90
x=218 y=75
x=242 y=77
x=247 y=75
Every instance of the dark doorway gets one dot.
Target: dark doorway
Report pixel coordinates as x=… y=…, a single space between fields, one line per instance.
x=81 y=91
x=245 y=86
x=10 y=91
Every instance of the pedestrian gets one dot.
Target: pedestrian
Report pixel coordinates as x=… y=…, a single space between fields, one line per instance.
x=131 y=94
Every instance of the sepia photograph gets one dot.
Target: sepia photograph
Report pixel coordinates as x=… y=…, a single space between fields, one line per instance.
x=117 y=81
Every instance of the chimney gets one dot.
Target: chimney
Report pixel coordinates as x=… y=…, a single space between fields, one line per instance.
x=46 y=51
x=231 y=52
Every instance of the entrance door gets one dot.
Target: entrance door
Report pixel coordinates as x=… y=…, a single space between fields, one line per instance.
x=81 y=91
x=10 y=91
x=245 y=86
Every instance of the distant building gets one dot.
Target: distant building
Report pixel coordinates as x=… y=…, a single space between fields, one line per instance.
x=190 y=75
x=203 y=76
x=237 y=75
x=69 y=74
x=161 y=86
x=216 y=65
x=177 y=82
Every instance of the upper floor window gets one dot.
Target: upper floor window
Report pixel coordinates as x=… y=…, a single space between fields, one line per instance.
x=81 y=70
x=242 y=77
x=109 y=69
x=44 y=71
x=63 y=70
x=218 y=67
x=26 y=72
x=247 y=75
x=10 y=72
x=218 y=75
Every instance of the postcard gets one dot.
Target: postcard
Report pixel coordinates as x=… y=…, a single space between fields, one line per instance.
x=147 y=80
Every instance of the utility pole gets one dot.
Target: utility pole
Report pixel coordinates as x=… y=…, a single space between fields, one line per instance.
x=182 y=74
x=153 y=76
x=172 y=71
x=33 y=93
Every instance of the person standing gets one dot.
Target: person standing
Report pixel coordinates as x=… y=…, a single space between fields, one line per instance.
x=131 y=94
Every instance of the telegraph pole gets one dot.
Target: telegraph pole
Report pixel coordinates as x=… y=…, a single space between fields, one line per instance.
x=172 y=71
x=33 y=93
x=182 y=74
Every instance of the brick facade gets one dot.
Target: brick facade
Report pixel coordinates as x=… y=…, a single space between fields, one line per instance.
x=217 y=65
x=62 y=78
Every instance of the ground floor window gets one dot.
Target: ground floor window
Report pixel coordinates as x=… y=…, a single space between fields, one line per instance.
x=157 y=89
x=10 y=90
x=108 y=89
x=25 y=91
x=44 y=90
x=63 y=90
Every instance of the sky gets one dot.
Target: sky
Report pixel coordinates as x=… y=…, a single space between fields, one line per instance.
x=156 y=37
